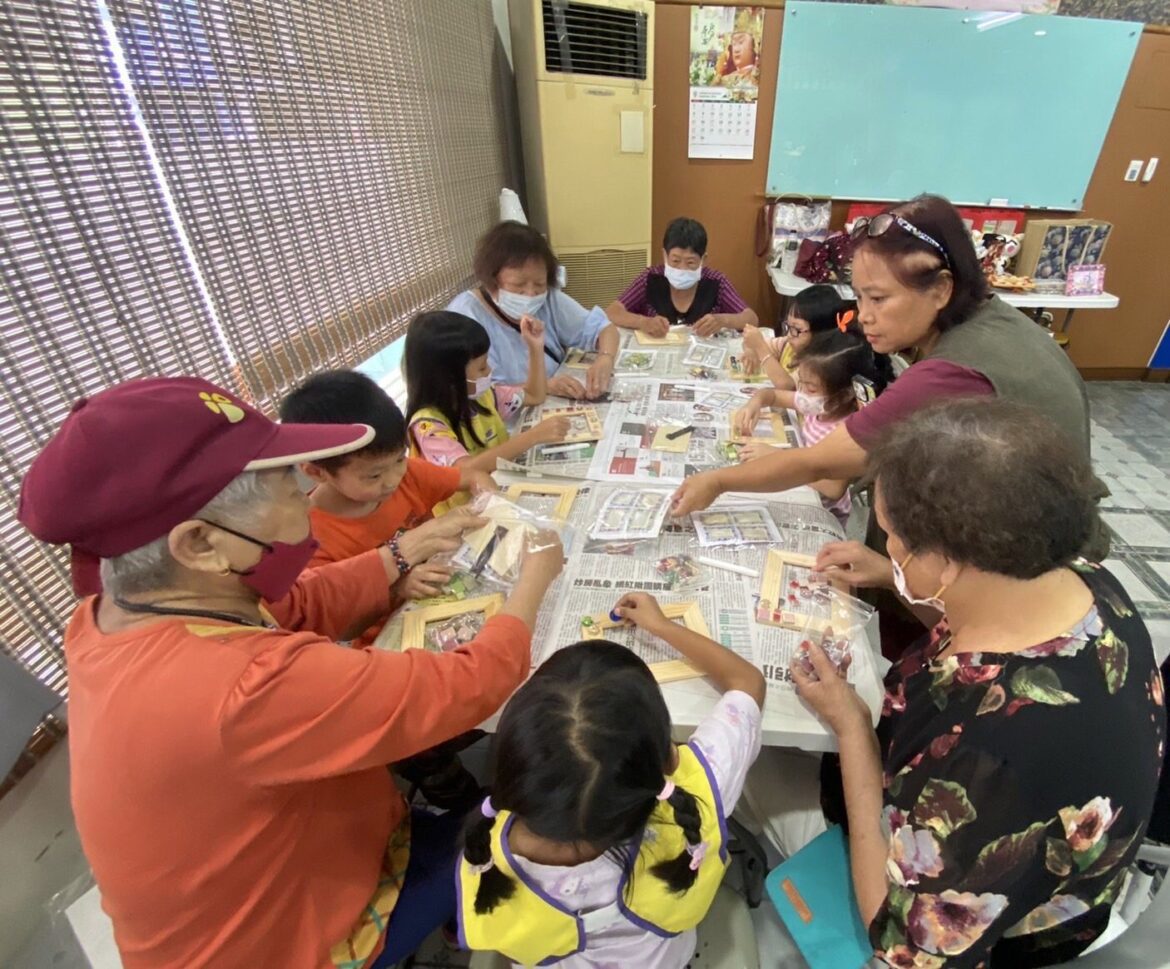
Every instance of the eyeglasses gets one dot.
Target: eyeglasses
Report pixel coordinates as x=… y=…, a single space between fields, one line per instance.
x=879 y=225
x=787 y=329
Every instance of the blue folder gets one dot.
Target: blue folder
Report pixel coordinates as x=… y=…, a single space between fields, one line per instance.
x=813 y=892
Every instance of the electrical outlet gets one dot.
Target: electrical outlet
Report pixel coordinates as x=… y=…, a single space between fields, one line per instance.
x=1134 y=171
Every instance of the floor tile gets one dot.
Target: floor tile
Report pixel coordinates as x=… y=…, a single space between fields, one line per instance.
x=1160 y=637
x=1138 y=530
x=1162 y=568
x=1137 y=589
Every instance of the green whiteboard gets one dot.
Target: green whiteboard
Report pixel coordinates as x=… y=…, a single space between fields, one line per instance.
x=885 y=102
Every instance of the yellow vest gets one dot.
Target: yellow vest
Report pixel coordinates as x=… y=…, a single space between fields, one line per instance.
x=489 y=426
x=534 y=929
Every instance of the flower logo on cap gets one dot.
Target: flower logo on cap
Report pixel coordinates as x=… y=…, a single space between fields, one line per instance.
x=219 y=404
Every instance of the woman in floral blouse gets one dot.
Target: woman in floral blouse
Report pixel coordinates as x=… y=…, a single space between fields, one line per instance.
x=994 y=813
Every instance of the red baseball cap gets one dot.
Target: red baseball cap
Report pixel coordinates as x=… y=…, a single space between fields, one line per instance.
x=130 y=463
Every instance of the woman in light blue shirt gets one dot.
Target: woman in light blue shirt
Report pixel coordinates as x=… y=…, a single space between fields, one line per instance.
x=517 y=275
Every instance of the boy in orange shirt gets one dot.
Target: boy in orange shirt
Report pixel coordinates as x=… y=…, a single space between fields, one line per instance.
x=378 y=495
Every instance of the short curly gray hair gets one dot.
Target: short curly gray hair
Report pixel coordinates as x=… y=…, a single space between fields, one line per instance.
x=150 y=566
x=988 y=483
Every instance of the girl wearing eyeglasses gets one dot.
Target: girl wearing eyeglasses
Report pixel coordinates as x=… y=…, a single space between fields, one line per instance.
x=815 y=309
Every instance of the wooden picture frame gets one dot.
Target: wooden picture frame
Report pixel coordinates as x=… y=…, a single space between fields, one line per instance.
x=673 y=338
x=578 y=359
x=415 y=622
x=671 y=671
x=733 y=370
x=778 y=438
x=591 y=431
x=775 y=606
x=566 y=493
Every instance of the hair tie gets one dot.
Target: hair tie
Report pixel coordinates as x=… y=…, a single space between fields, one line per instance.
x=481 y=869
x=486 y=809
x=698 y=853
x=667 y=790
x=844 y=319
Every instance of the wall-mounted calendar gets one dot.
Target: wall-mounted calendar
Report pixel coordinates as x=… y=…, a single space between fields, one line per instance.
x=724 y=80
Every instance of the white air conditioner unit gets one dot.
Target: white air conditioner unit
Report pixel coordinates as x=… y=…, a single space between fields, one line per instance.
x=583 y=80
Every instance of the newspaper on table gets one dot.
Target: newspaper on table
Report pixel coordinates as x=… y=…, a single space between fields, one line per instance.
x=464 y=587
x=597 y=577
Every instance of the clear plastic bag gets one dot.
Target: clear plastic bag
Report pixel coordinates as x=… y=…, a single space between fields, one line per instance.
x=681 y=573
x=493 y=554
x=735 y=524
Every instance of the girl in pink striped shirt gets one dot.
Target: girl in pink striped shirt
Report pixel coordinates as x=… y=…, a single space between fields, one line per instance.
x=827 y=391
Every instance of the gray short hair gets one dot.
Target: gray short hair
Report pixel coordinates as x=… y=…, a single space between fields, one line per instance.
x=150 y=566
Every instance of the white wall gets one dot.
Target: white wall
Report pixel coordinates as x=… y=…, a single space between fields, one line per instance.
x=500 y=16
x=39 y=849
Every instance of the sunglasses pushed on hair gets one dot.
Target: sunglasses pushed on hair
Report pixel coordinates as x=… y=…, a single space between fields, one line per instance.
x=879 y=225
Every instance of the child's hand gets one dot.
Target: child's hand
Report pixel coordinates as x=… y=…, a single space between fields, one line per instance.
x=423 y=581
x=750 y=361
x=756 y=449
x=657 y=326
x=641 y=609
x=755 y=341
x=748 y=416
x=532 y=331
x=477 y=482
x=544 y=557
x=551 y=430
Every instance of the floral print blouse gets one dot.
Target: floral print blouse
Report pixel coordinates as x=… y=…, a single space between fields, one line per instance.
x=1017 y=790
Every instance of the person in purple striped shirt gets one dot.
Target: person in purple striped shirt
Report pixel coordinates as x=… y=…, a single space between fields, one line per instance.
x=682 y=290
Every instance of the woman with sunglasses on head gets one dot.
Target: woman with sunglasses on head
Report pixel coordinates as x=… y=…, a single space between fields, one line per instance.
x=919 y=287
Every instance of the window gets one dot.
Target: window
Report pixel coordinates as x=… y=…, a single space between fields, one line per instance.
x=247 y=190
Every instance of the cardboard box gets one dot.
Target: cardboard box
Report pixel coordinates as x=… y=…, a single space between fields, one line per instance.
x=1052 y=245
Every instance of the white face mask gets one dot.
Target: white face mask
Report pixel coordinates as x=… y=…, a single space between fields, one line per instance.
x=682 y=278
x=480 y=386
x=810 y=405
x=517 y=305
x=932 y=602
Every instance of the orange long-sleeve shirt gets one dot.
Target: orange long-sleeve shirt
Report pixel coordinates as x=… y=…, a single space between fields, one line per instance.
x=229 y=782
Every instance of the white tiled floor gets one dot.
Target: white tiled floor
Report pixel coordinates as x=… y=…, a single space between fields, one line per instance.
x=1160 y=636
x=1137 y=589
x=1138 y=530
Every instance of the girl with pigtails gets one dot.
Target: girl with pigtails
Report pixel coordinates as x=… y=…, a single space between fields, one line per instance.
x=603 y=842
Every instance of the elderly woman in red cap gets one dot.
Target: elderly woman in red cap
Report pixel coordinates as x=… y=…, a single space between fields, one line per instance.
x=228 y=757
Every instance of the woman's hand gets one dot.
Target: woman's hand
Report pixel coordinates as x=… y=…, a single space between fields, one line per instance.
x=562 y=385
x=657 y=326
x=598 y=376
x=551 y=430
x=855 y=564
x=544 y=557
x=532 y=332
x=423 y=581
x=711 y=323
x=832 y=699
x=695 y=493
x=755 y=449
x=642 y=610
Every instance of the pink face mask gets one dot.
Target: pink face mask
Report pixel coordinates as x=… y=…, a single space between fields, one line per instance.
x=280 y=564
